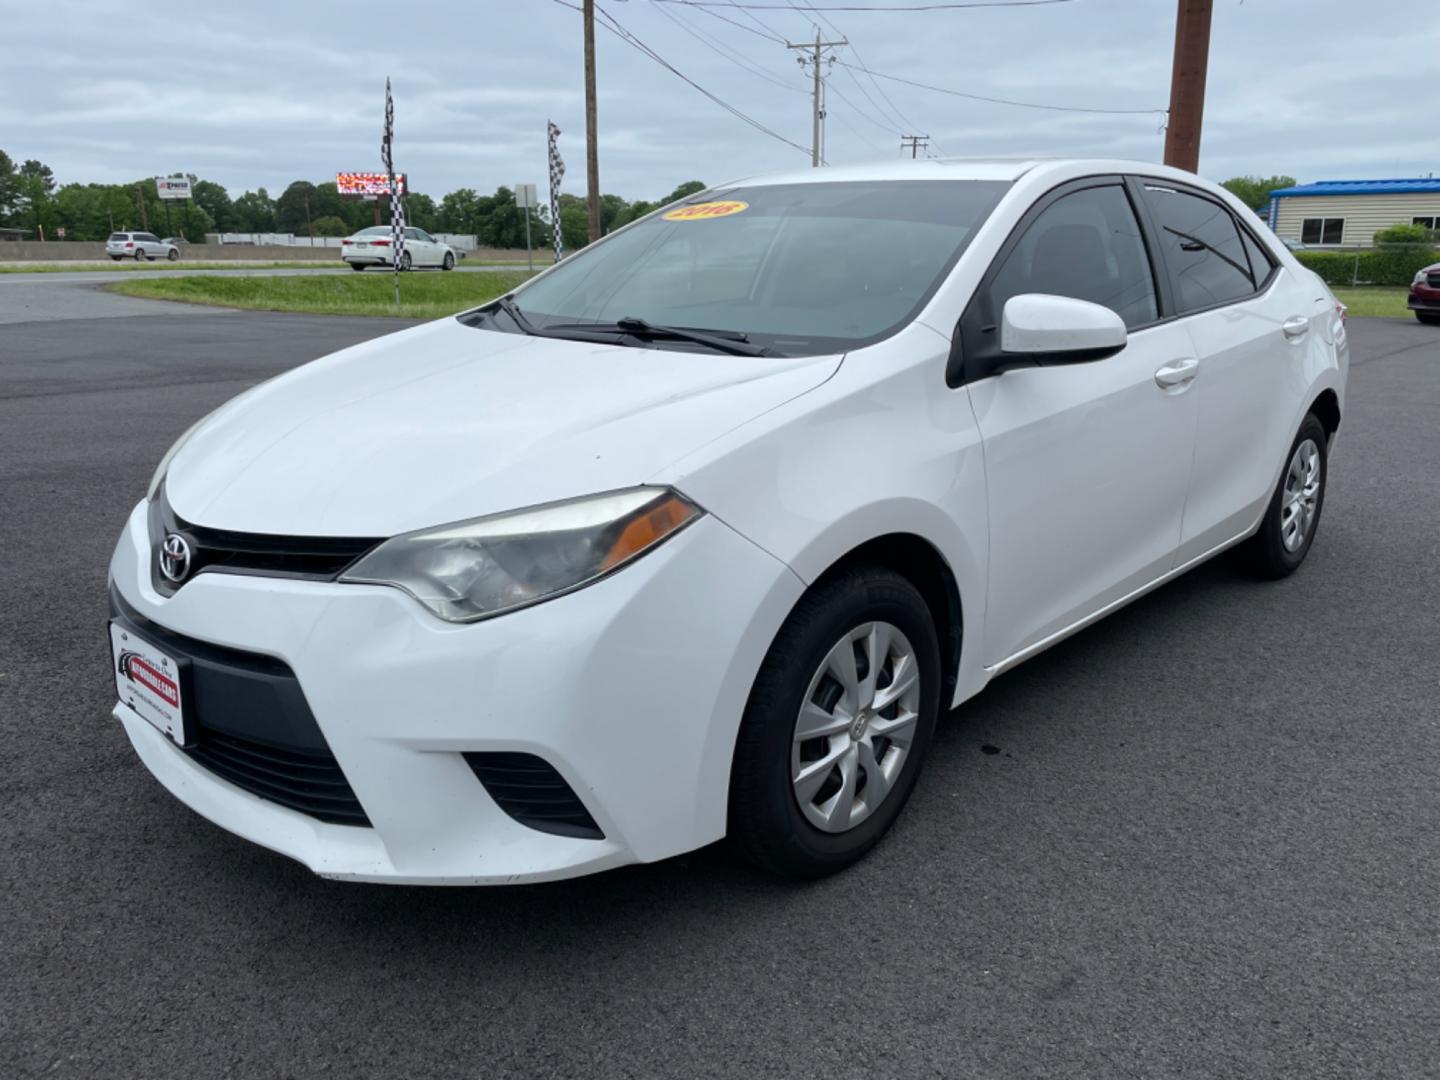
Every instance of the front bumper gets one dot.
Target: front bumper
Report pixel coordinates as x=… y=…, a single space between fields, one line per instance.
x=1426 y=299
x=632 y=689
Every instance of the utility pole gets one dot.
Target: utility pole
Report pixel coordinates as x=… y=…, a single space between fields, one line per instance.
x=1187 y=84
x=592 y=150
x=140 y=202
x=815 y=49
x=914 y=143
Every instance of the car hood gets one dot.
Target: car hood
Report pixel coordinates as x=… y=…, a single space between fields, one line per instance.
x=445 y=422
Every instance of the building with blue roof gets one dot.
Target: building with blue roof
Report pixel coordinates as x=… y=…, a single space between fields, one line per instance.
x=1335 y=213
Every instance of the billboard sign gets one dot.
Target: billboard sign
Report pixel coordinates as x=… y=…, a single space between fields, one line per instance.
x=172 y=187
x=358 y=185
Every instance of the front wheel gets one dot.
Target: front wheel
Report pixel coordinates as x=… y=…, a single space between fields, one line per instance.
x=837 y=725
x=173 y=254
x=449 y=263
x=140 y=255
x=405 y=261
x=1429 y=318
x=1293 y=516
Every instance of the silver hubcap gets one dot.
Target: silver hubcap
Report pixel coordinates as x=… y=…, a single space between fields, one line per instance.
x=1301 y=497
x=855 y=727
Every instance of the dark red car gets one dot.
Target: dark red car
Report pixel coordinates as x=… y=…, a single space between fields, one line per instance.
x=1425 y=295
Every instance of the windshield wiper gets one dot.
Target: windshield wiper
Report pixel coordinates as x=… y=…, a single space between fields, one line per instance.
x=729 y=341
x=507 y=304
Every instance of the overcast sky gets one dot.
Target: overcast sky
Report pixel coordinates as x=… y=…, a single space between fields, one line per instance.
x=258 y=92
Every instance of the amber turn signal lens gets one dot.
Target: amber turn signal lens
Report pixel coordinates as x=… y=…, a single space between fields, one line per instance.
x=649 y=527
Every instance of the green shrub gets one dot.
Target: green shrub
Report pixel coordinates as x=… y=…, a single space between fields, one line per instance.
x=1377 y=266
x=1403 y=234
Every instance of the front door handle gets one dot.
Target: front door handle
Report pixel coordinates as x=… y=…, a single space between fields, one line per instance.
x=1177 y=373
x=1295 y=327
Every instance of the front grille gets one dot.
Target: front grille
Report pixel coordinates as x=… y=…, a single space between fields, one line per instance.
x=250 y=724
x=317 y=558
x=530 y=790
x=1433 y=280
x=310 y=783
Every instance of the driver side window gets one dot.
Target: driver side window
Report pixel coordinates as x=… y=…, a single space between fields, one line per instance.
x=1087 y=246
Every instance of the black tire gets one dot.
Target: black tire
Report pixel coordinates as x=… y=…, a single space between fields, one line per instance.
x=766 y=822
x=173 y=255
x=1265 y=553
x=449 y=263
x=1428 y=318
x=140 y=255
x=357 y=266
x=114 y=258
x=405 y=261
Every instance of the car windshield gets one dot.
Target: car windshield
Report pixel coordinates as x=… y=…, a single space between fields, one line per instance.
x=797 y=269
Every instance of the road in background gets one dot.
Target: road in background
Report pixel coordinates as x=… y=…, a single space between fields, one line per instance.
x=66 y=296
x=1196 y=840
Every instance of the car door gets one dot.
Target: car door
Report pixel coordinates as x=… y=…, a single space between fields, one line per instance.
x=1087 y=464
x=418 y=248
x=1251 y=322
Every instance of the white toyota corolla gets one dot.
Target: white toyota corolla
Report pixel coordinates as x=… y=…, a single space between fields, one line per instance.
x=696 y=533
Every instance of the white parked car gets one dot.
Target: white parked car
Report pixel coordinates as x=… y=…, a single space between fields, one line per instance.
x=140 y=246
x=375 y=247
x=696 y=533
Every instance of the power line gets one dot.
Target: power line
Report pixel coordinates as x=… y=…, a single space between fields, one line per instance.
x=905 y=122
x=610 y=24
x=758 y=21
x=725 y=51
x=871 y=7
x=1007 y=101
x=768 y=36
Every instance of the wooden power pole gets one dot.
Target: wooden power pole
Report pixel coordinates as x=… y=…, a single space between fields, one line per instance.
x=592 y=151
x=914 y=143
x=1187 y=84
x=817 y=111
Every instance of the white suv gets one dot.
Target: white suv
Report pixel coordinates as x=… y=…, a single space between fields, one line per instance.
x=140 y=246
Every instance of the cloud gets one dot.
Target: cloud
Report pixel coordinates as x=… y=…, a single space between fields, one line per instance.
x=265 y=92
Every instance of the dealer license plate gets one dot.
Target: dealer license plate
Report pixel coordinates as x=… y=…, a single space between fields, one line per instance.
x=148 y=680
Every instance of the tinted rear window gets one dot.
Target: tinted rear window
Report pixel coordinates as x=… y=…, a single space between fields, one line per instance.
x=119 y=236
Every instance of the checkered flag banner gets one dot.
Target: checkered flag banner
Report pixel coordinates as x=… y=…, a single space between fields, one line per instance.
x=397 y=210
x=557 y=173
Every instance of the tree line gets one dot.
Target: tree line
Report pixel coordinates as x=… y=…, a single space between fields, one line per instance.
x=30 y=198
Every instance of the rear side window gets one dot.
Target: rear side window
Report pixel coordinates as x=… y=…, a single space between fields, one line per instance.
x=1202 y=249
x=149 y=238
x=1260 y=261
x=1087 y=246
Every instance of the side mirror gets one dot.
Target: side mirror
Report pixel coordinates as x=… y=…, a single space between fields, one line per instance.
x=1043 y=329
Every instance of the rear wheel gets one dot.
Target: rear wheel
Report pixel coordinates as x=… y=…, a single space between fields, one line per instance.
x=837 y=725
x=114 y=258
x=140 y=255
x=405 y=261
x=357 y=266
x=1429 y=318
x=449 y=263
x=1293 y=515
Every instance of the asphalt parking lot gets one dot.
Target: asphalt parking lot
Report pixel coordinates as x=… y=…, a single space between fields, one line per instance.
x=1201 y=839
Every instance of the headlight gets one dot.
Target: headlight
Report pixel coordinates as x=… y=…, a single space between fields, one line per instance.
x=475 y=569
x=1419 y=278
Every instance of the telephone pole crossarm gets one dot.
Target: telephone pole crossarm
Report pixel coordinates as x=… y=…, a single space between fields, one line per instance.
x=816 y=50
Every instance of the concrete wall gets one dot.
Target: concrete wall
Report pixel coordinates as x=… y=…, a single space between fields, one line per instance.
x=65 y=250
x=1364 y=215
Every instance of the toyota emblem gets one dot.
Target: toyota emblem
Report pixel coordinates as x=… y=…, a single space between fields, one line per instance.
x=175 y=557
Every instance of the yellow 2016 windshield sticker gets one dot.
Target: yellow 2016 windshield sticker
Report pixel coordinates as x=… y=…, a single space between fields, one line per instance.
x=706 y=210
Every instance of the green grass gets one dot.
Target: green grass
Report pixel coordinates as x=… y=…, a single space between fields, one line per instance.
x=422 y=296
x=87 y=265
x=1387 y=302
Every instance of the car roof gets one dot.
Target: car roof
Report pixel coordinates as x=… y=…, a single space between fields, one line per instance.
x=968 y=168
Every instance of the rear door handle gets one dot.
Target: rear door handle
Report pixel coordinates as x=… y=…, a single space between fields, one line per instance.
x=1295 y=327
x=1177 y=373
